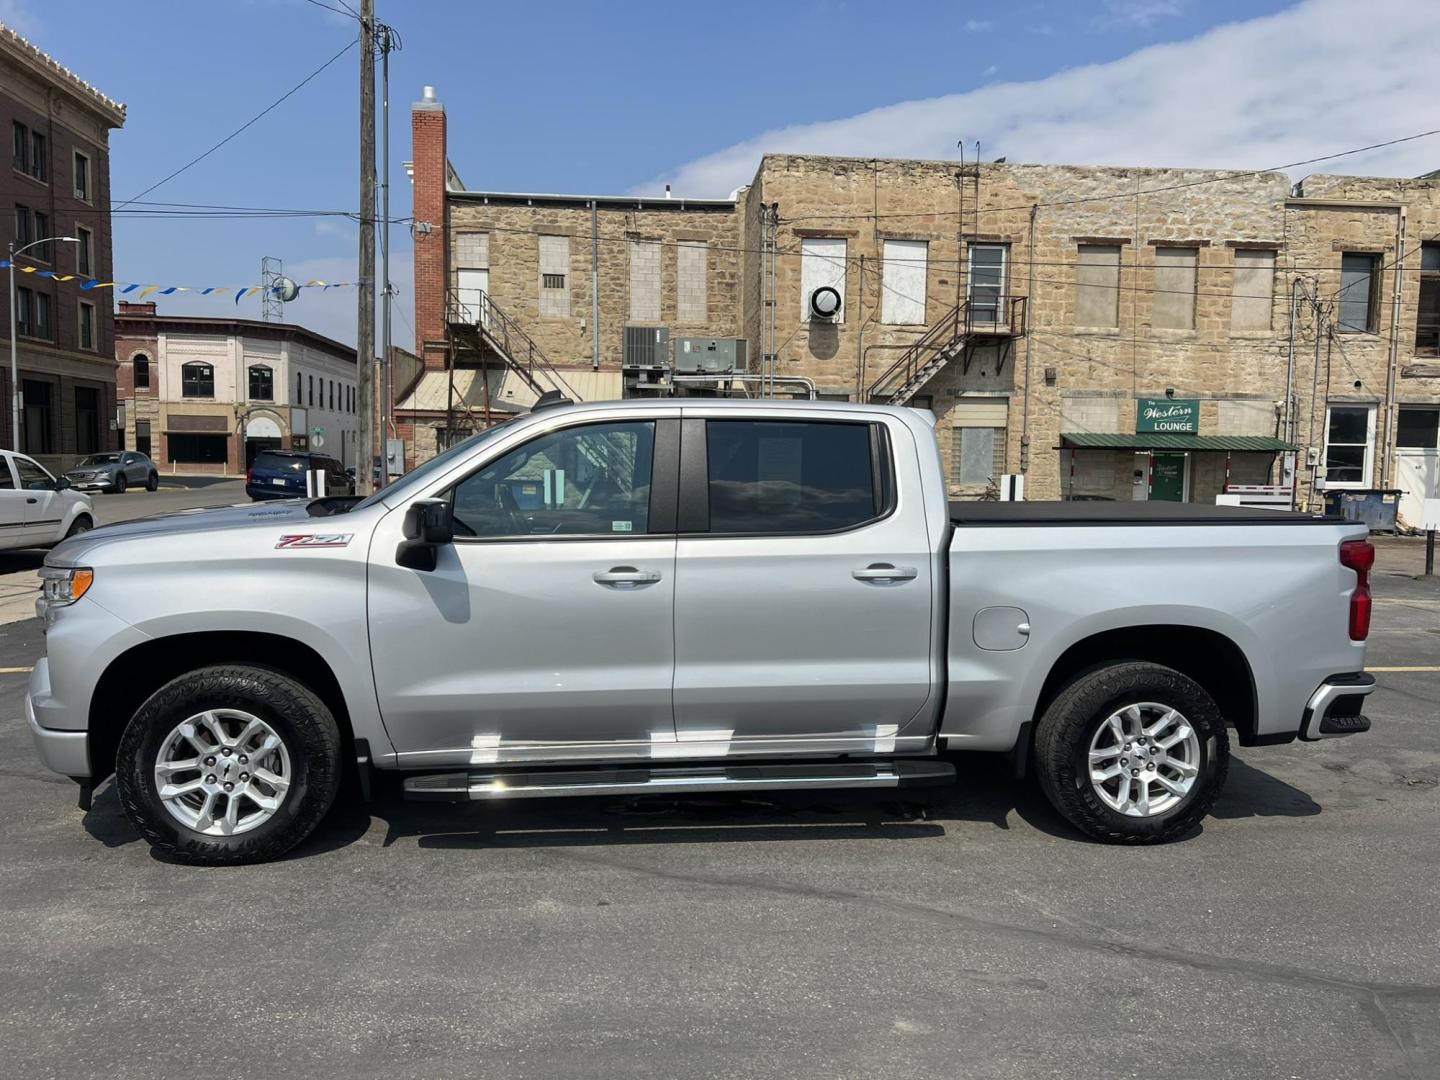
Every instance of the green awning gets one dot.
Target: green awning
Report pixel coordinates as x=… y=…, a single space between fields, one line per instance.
x=1264 y=444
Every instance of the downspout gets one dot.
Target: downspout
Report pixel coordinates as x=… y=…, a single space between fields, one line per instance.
x=594 y=286
x=1387 y=471
x=1029 y=316
x=1289 y=418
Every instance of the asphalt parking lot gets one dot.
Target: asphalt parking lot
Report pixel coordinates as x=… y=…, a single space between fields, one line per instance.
x=949 y=933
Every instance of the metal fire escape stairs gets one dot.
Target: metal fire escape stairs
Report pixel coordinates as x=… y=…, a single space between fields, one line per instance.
x=951 y=336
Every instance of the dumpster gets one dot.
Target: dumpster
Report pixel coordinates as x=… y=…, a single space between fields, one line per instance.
x=1375 y=507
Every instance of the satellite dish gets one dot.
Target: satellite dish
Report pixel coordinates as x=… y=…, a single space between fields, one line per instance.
x=825 y=302
x=286 y=289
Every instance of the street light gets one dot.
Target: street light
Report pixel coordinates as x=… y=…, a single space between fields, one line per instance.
x=14 y=354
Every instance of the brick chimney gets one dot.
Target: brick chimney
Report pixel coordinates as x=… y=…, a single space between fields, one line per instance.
x=432 y=249
x=128 y=307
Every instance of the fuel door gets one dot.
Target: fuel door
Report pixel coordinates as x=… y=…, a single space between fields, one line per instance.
x=1001 y=629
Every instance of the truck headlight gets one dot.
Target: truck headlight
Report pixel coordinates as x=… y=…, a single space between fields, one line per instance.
x=61 y=585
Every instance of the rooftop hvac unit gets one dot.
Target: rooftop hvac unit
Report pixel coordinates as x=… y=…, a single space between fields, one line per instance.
x=647 y=347
x=709 y=356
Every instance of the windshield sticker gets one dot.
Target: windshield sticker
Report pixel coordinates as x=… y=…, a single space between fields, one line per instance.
x=315 y=540
x=622 y=526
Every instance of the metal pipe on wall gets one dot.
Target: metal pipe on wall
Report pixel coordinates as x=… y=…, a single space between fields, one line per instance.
x=594 y=285
x=1387 y=472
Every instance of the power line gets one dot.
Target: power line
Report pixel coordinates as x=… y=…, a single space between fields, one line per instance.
x=1128 y=194
x=263 y=112
x=338 y=11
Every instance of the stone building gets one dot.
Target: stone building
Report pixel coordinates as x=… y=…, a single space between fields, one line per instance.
x=59 y=186
x=1110 y=333
x=205 y=395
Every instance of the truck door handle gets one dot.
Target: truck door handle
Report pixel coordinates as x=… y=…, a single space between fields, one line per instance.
x=625 y=575
x=32 y=499
x=885 y=572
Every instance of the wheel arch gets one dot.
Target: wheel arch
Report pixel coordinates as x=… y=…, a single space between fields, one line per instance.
x=141 y=670
x=1207 y=656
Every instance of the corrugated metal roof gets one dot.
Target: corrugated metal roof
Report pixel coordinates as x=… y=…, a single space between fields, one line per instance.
x=587 y=384
x=1085 y=440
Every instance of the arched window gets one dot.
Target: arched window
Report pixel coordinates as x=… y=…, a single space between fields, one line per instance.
x=262 y=383
x=142 y=371
x=197 y=380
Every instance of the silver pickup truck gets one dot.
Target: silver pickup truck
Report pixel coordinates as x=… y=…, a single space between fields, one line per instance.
x=687 y=595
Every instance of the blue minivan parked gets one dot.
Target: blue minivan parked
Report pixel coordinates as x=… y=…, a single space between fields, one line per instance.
x=280 y=474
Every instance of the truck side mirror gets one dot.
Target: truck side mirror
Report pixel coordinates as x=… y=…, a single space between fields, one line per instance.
x=428 y=525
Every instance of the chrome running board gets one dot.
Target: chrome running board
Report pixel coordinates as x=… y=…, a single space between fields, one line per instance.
x=648 y=780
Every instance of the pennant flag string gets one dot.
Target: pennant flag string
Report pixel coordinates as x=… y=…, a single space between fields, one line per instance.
x=125 y=288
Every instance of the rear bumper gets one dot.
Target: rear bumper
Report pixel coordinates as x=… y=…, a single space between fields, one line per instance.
x=64 y=752
x=1336 y=707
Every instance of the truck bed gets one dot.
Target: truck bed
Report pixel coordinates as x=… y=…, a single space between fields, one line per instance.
x=979 y=514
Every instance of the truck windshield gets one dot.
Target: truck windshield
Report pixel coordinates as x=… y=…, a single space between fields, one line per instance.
x=437 y=464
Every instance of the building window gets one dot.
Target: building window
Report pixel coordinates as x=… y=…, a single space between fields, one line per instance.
x=1359 y=292
x=902 y=282
x=1418 y=428
x=142 y=437
x=978 y=452
x=1349 y=437
x=1427 y=318
x=692 y=281
x=142 y=371
x=197 y=380
x=1173 y=305
x=87 y=325
x=1252 y=289
x=32 y=314
x=198 y=449
x=84 y=252
x=262 y=383
x=42 y=232
x=554 y=271
x=299 y=388
x=82 y=176
x=822 y=263
x=986 y=294
x=29 y=151
x=24 y=226
x=1097 y=286
x=312 y=391
x=645 y=281
x=332 y=395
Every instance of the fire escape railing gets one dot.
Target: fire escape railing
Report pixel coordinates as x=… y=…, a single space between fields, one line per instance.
x=507 y=338
x=1002 y=317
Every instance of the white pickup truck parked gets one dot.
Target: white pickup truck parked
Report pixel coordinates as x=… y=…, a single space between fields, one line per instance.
x=687 y=595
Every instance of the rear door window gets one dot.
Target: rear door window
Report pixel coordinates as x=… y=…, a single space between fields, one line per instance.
x=276 y=463
x=783 y=477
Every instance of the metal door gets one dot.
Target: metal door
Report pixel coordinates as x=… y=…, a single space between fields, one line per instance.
x=553 y=641
x=813 y=642
x=1167 y=477
x=471 y=288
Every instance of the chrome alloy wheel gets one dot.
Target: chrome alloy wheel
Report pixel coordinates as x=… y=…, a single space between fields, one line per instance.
x=222 y=772
x=1144 y=759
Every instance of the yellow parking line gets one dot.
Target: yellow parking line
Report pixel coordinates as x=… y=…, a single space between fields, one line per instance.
x=16 y=670
x=1428 y=667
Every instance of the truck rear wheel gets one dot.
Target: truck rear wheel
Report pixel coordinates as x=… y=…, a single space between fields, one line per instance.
x=1132 y=753
x=228 y=764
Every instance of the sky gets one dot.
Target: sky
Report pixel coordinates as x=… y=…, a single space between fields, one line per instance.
x=628 y=95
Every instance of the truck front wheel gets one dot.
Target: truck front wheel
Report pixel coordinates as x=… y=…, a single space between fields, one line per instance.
x=228 y=764
x=1132 y=753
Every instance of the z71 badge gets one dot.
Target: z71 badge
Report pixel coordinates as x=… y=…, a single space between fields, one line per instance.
x=315 y=540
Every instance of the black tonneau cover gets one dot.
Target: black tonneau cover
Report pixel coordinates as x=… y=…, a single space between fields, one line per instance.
x=1084 y=512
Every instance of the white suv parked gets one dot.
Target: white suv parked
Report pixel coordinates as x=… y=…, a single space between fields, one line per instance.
x=36 y=509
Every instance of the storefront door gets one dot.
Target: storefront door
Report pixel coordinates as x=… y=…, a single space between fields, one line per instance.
x=1167 y=477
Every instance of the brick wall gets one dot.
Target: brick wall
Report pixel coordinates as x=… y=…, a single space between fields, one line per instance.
x=428 y=139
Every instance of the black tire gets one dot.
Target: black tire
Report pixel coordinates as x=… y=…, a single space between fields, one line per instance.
x=120 y=484
x=152 y=482
x=1064 y=735
x=303 y=722
x=81 y=524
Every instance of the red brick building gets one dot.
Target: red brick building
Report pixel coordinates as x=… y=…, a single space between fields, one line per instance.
x=59 y=185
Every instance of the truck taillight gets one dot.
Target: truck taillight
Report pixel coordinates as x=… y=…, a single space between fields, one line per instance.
x=1359 y=555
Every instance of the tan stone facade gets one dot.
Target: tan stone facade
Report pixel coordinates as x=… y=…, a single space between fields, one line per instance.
x=1075 y=295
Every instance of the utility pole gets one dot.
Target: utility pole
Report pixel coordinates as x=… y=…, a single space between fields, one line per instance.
x=365 y=330
x=387 y=44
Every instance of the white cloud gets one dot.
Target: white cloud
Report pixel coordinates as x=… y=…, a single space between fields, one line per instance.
x=976 y=26
x=1140 y=13
x=1253 y=94
x=18 y=16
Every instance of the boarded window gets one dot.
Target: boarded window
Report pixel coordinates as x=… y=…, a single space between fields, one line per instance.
x=1097 y=285
x=554 y=277
x=1173 y=305
x=472 y=250
x=1357 y=296
x=822 y=262
x=645 y=281
x=978 y=447
x=1419 y=428
x=1252 y=290
x=692 y=297
x=902 y=282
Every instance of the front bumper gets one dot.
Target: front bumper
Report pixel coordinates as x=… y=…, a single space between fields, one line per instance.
x=1335 y=707
x=64 y=752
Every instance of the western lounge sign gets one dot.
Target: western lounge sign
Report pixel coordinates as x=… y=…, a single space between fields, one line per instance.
x=1180 y=416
